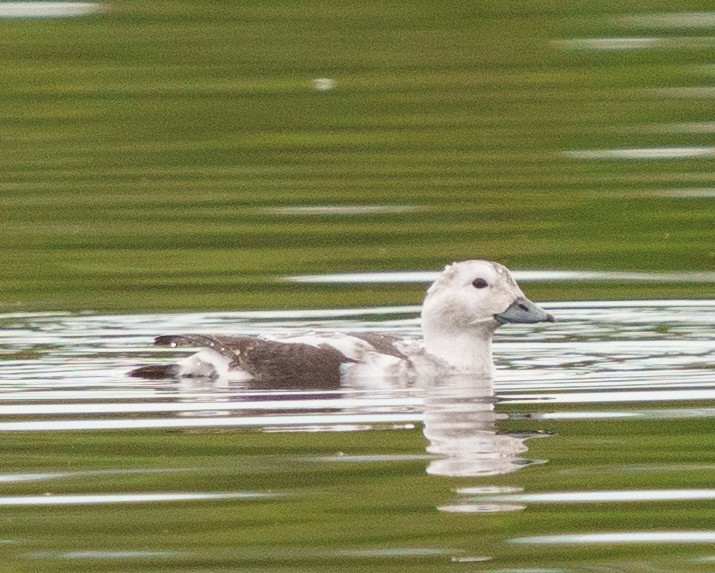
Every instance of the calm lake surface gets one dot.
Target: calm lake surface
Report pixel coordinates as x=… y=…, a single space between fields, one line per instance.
x=162 y=156
x=593 y=451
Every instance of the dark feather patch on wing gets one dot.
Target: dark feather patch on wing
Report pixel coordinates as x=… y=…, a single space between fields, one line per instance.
x=291 y=365
x=382 y=343
x=272 y=364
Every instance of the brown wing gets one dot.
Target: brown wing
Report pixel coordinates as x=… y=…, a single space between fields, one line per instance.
x=272 y=364
x=292 y=365
x=382 y=343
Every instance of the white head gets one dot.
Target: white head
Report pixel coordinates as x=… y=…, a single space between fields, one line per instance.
x=463 y=308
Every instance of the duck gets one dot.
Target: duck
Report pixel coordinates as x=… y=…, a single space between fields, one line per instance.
x=461 y=311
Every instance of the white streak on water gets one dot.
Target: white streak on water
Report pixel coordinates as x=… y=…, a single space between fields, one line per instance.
x=620 y=537
x=689 y=193
x=17 y=478
x=320 y=420
x=625 y=396
x=322 y=210
x=664 y=413
x=43 y=476
x=105 y=554
x=97 y=499
x=605 y=496
x=621 y=44
x=610 y=44
x=137 y=407
x=47 y=9
x=643 y=153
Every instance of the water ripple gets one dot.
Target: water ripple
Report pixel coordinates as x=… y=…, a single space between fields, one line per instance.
x=67 y=371
x=627 y=537
x=121 y=498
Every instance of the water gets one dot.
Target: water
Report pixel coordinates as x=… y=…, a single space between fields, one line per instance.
x=182 y=155
x=234 y=143
x=593 y=451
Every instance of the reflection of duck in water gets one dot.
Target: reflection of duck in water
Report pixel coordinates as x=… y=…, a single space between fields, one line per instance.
x=460 y=424
x=461 y=312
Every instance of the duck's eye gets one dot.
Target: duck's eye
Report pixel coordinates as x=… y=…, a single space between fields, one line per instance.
x=480 y=283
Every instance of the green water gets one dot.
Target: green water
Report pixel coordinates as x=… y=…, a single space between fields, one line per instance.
x=332 y=512
x=143 y=148
x=607 y=413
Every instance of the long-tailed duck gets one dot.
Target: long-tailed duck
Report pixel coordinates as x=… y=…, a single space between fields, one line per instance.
x=462 y=310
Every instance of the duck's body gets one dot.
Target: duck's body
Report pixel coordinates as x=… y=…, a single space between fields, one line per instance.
x=309 y=361
x=462 y=310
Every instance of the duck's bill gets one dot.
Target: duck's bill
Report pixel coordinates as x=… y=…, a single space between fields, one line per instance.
x=524 y=311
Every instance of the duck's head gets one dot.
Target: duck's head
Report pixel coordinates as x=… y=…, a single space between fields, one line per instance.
x=469 y=301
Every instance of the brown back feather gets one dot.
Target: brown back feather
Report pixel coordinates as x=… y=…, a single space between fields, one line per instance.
x=272 y=364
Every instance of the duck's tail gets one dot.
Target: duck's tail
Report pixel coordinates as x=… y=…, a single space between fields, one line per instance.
x=155 y=372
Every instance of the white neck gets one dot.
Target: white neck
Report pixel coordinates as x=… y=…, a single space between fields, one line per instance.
x=469 y=351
